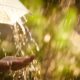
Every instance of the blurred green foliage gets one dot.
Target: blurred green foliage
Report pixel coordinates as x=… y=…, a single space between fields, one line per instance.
x=65 y=27
x=52 y=23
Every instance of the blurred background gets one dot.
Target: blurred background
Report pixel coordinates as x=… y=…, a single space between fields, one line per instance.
x=55 y=27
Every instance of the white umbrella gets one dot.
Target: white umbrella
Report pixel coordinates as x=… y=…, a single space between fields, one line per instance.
x=11 y=11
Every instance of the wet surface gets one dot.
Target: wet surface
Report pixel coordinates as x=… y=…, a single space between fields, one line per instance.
x=14 y=63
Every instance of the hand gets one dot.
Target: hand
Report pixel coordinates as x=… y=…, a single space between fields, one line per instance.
x=14 y=63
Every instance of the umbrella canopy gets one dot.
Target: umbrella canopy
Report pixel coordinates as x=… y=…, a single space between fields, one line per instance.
x=11 y=11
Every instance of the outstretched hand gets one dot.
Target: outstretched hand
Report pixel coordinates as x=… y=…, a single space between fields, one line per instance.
x=14 y=63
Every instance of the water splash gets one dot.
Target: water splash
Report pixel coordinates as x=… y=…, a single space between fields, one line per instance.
x=18 y=39
x=32 y=39
x=22 y=37
x=27 y=36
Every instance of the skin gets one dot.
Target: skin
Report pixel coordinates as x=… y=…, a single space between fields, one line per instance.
x=14 y=63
